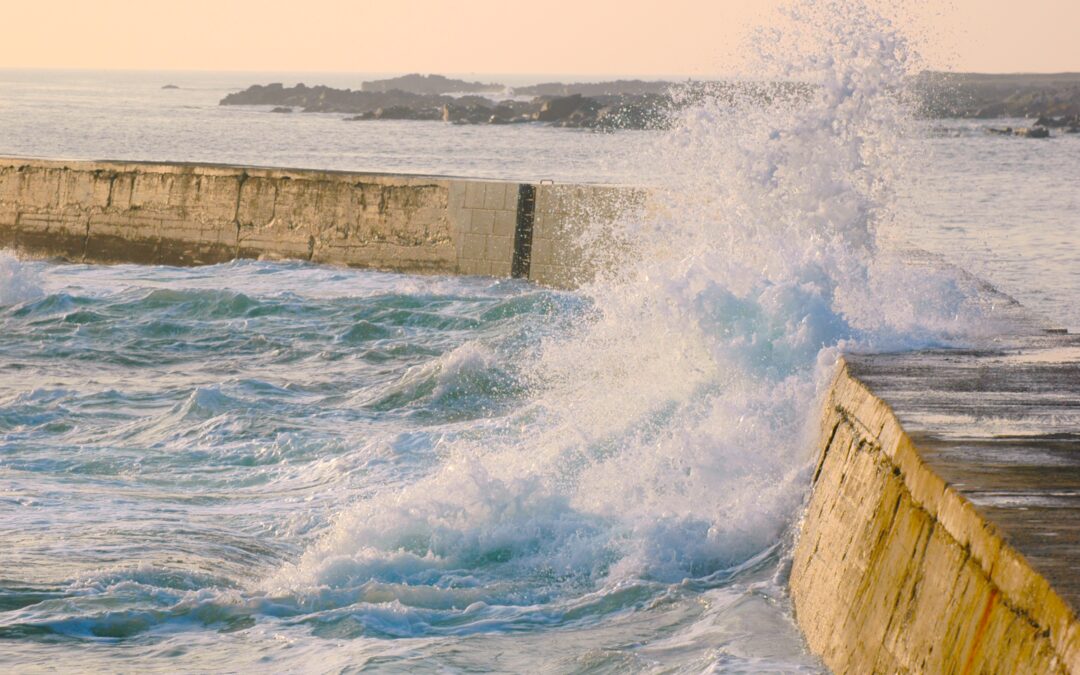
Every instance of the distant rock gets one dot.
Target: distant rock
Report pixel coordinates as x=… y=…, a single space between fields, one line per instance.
x=1058 y=122
x=611 y=88
x=1033 y=132
x=465 y=114
x=1023 y=132
x=648 y=112
x=986 y=96
x=398 y=112
x=1051 y=101
x=511 y=112
x=329 y=99
x=557 y=109
x=574 y=111
x=404 y=112
x=170 y=86
x=429 y=84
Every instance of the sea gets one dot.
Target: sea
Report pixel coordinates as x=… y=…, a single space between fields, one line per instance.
x=288 y=467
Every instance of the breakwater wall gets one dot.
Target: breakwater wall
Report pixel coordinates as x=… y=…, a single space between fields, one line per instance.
x=941 y=535
x=188 y=214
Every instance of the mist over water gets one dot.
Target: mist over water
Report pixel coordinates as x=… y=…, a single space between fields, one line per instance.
x=289 y=467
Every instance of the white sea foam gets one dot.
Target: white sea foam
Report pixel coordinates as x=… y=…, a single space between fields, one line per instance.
x=18 y=281
x=667 y=435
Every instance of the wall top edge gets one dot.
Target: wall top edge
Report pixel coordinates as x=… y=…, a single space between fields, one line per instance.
x=215 y=168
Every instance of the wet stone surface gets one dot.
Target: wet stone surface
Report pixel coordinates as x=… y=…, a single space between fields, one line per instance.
x=1001 y=425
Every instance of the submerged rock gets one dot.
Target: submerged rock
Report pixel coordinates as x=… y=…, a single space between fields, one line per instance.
x=557 y=109
x=397 y=112
x=1023 y=132
x=466 y=114
x=1033 y=132
x=1058 y=122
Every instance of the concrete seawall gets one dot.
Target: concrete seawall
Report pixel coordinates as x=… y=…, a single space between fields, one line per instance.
x=942 y=534
x=186 y=214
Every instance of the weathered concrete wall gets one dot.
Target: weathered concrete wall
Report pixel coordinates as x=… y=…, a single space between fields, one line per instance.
x=571 y=235
x=895 y=571
x=186 y=214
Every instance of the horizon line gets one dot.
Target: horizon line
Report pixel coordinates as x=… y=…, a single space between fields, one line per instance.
x=460 y=74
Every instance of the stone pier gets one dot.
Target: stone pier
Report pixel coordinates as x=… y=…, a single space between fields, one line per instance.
x=189 y=214
x=943 y=531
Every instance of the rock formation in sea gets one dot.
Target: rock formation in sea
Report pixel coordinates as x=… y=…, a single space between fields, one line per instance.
x=638 y=104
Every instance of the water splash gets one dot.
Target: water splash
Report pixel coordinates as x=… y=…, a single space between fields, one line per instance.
x=18 y=281
x=601 y=480
x=664 y=437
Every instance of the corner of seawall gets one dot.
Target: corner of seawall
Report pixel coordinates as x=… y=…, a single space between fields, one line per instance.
x=897 y=570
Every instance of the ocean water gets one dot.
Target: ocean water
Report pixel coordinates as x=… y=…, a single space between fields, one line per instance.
x=1003 y=208
x=286 y=467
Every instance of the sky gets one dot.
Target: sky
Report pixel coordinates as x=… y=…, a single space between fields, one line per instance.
x=579 y=37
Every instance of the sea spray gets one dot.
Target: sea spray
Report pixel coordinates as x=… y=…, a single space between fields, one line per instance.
x=663 y=436
x=18 y=281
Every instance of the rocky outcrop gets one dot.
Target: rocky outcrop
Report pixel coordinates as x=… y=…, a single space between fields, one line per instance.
x=985 y=96
x=611 y=88
x=436 y=85
x=1063 y=122
x=331 y=100
x=1023 y=132
x=637 y=104
x=557 y=109
x=398 y=112
x=622 y=111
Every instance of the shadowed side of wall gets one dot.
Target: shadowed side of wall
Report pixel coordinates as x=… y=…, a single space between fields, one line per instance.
x=894 y=571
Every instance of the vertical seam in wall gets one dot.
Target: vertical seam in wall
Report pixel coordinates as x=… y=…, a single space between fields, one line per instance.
x=523 y=231
x=104 y=212
x=86 y=238
x=236 y=213
x=825 y=451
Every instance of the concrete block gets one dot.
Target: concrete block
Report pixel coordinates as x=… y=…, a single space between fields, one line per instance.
x=505 y=223
x=499 y=249
x=543 y=252
x=456 y=194
x=474 y=247
x=512 y=195
x=494 y=195
x=474 y=195
x=482 y=221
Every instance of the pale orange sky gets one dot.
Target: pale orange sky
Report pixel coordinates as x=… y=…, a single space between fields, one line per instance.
x=621 y=37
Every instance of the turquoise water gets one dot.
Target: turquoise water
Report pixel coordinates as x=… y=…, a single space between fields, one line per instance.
x=171 y=439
